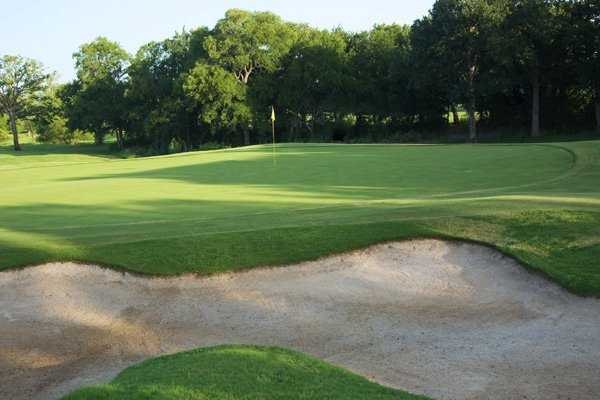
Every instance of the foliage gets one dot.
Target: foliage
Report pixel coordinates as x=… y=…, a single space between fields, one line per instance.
x=22 y=81
x=56 y=131
x=48 y=120
x=95 y=100
x=218 y=97
x=584 y=34
x=379 y=67
x=4 y=129
x=505 y=64
x=158 y=110
x=244 y=42
x=453 y=46
x=313 y=79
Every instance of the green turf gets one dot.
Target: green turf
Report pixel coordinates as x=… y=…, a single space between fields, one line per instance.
x=236 y=373
x=224 y=210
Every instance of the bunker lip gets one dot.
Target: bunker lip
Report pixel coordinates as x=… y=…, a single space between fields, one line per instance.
x=120 y=269
x=443 y=318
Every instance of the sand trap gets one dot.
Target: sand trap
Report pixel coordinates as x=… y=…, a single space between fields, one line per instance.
x=450 y=320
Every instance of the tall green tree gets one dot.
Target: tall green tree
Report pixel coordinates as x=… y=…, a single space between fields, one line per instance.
x=48 y=117
x=504 y=61
x=532 y=33
x=158 y=109
x=379 y=66
x=314 y=79
x=96 y=100
x=244 y=42
x=584 y=34
x=219 y=97
x=453 y=43
x=248 y=44
x=22 y=80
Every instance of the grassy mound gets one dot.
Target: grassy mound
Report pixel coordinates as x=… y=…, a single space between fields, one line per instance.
x=238 y=372
x=216 y=211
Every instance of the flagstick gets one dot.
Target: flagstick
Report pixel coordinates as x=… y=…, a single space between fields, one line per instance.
x=273 y=145
x=273 y=128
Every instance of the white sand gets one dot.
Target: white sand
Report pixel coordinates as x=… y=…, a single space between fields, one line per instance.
x=450 y=320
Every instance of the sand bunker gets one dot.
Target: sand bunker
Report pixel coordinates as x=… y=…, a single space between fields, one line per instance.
x=450 y=320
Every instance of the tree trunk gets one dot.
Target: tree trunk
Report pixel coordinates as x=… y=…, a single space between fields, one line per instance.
x=455 y=117
x=472 y=104
x=119 y=139
x=597 y=107
x=13 y=128
x=472 y=123
x=246 y=137
x=535 y=106
x=358 y=125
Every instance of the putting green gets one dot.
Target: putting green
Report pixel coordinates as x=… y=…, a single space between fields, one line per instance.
x=214 y=211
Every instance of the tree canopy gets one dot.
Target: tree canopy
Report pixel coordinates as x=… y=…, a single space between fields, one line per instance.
x=22 y=80
x=527 y=66
x=95 y=100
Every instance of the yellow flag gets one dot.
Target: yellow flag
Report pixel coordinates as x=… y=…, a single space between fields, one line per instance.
x=272 y=113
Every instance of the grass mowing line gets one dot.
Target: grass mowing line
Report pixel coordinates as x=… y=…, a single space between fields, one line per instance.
x=116 y=157
x=408 y=219
x=346 y=205
x=361 y=203
x=572 y=170
x=411 y=203
x=358 y=204
x=278 y=227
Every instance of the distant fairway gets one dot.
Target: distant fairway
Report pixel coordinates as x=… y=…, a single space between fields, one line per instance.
x=215 y=211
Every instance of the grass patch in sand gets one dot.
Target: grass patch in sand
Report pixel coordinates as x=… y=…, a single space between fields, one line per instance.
x=238 y=372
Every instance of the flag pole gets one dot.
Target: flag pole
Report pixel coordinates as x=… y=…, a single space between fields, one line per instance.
x=273 y=130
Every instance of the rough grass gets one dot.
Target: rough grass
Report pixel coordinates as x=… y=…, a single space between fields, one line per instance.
x=218 y=211
x=238 y=372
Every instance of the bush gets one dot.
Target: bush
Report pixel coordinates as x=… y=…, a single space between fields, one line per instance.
x=4 y=131
x=212 y=146
x=56 y=132
x=82 y=137
x=406 y=137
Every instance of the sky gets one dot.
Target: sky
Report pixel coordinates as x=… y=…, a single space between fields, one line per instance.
x=51 y=30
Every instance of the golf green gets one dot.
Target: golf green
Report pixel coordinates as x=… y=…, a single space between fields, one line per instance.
x=209 y=212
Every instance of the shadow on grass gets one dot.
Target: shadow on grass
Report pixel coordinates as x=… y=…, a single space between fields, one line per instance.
x=170 y=237
x=358 y=173
x=59 y=149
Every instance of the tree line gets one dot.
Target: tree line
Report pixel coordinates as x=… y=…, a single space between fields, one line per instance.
x=512 y=65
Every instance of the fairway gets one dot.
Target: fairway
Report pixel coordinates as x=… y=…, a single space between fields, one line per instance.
x=216 y=211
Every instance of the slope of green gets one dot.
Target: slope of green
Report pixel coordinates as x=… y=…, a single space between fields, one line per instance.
x=217 y=211
x=46 y=155
x=238 y=372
